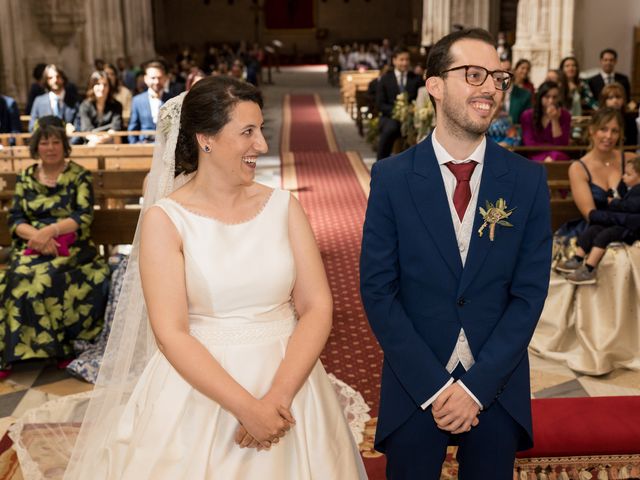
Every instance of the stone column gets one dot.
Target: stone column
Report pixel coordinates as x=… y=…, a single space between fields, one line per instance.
x=544 y=34
x=105 y=30
x=436 y=20
x=439 y=16
x=14 y=72
x=469 y=13
x=138 y=30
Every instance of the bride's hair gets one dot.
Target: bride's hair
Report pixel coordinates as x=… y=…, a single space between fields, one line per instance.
x=206 y=109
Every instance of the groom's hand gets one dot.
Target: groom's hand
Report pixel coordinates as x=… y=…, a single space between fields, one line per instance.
x=455 y=410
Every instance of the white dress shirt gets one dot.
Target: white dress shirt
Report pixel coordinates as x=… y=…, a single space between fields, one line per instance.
x=402 y=85
x=463 y=229
x=608 y=78
x=155 y=102
x=56 y=102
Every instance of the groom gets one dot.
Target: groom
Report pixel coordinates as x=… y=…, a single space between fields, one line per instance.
x=454 y=309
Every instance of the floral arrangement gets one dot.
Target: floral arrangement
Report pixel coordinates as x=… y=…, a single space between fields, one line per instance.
x=423 y=119
x=416 y=122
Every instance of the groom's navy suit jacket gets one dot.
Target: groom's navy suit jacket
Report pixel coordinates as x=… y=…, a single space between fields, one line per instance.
x=417 y=294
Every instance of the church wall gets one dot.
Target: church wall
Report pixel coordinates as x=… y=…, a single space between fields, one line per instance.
x=192 y=22
x=601 y=24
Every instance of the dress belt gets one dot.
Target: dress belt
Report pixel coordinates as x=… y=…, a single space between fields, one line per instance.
x=242 y=330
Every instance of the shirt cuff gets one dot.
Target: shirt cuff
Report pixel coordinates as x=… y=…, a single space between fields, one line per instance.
x=470 y=394
x=426 y=404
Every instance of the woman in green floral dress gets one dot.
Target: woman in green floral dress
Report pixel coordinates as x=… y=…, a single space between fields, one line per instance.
x=55 y=289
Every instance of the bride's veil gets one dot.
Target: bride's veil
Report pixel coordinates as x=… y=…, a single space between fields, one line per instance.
x=72 y=431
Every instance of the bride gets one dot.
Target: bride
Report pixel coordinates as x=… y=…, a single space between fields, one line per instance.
x=218 y=377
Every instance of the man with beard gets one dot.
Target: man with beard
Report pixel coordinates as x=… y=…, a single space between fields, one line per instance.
x=146 y=105
x=454 y=270
x=61 y=99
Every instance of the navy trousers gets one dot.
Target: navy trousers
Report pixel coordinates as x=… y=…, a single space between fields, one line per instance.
x=416 y=450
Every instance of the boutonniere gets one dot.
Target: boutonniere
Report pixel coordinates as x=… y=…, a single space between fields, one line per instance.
x=495 y=215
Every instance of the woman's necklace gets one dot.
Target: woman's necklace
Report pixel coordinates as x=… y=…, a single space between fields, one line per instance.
x=48 y=180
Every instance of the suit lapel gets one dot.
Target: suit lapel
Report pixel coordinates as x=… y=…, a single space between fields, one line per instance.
x=497 y=182
x=427 y=190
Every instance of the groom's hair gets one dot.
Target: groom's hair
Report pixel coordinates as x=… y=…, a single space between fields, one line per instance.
x=207 y=109
x=440 y=59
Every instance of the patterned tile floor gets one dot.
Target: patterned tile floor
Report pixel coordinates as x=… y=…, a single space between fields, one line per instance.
x=31 y=384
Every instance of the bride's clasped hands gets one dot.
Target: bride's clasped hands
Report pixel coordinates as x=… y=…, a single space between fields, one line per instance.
x=264 y=422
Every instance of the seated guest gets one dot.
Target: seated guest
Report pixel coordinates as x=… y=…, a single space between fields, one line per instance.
x=521 y=76
x=100 y=113
x=195 y=75
x=175 y=83
x=59 y=101
x=237 y=70
x=55 y=288
x=596 y=177
x=502 y=130
x=9 y=116
x=613 y=96
x=575 y=93
x=516 y=99
x=127 y=73
x=553 y=75
x=607 y=75
x=620 y=223
x=120 y=93
x=37 y=87
x=546 y=124
x=145 y=106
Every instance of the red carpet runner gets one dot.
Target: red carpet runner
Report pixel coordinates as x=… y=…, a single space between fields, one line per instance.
x=335 y=202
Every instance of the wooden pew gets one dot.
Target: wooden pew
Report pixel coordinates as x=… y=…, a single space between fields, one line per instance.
x=352 y=81
x=108 y=185
x=22 y=139
x=110 y=227
x=101 y=157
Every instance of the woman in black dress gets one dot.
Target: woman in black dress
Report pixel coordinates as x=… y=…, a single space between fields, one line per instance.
x=100 y=112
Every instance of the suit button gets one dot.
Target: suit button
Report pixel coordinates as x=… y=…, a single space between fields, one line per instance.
x=461 y=301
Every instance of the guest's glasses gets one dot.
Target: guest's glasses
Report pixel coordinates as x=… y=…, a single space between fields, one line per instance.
x=476 y=76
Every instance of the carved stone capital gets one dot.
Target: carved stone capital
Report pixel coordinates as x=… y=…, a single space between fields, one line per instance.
x=57 y=20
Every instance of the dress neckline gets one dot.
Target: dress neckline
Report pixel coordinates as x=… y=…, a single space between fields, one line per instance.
x=217 y=220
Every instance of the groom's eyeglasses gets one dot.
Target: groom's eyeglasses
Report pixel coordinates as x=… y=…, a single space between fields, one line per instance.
x=476 y=76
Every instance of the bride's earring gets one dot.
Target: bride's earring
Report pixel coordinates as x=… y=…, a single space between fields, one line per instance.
x=206 y=149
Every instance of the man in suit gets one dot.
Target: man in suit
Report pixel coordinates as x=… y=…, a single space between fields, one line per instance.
x=454 y=302
x=146 y=105
x=61 y=99
x=391 y=84
x=607 y=75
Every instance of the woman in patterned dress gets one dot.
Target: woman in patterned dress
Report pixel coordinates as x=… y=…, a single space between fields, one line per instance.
x=55 y=288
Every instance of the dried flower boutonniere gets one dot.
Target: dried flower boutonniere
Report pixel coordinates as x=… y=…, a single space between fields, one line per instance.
x=495 y=215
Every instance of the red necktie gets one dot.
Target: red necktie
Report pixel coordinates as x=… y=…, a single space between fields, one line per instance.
x=462 y=193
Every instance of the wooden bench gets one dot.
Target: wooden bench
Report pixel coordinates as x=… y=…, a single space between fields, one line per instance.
x=101 y=157
x=22 y=139
x=352 y=81
x=107 y=185
x=109 y=227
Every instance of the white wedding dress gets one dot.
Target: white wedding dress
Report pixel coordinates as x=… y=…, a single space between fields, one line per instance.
x=239 y=279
